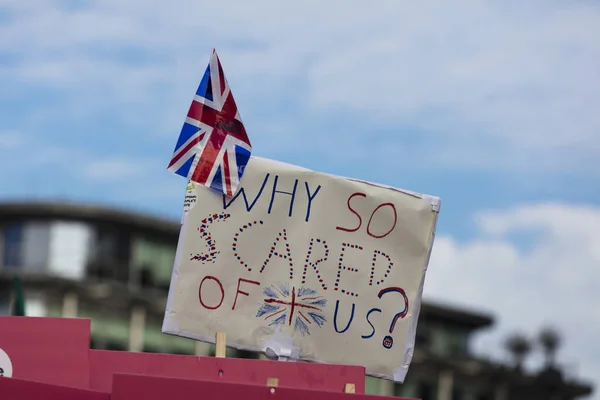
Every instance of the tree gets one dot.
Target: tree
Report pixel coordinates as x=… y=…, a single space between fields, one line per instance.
x=550 y=341
x=519 y=347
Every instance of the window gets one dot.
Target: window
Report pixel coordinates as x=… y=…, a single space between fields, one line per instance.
x=26 y=246
x=449 y=342
x=36 y=246
x=69 y=249
x=12 y=246
x=112 y=345
x=422 y=340
x=181 y=352
x=102 y=342
x=109 y=258
x=36 y=305
x=5 y=300
x=457 y=394
x=151 y=349
x=153 y=262
x=371 y=385
x=426 y=391
x=246 y=354
x=406 y=389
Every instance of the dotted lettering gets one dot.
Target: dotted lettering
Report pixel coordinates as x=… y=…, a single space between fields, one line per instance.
x=387 y=271
x=341 y=267
x=211 y=255
x=235 y=243
x=314 y=264
x=282 y=237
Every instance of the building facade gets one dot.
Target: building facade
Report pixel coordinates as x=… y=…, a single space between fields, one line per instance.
x=114 y=267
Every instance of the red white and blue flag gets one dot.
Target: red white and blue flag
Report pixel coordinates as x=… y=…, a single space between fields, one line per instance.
x=213 y=148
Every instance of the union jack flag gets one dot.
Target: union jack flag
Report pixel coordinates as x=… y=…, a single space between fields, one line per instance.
x=213 y=147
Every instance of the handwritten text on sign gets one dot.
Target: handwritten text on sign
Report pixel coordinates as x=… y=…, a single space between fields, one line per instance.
x=331 y=263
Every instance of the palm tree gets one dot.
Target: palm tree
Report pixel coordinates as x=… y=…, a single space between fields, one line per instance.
x=550 y=341
x=519 y=347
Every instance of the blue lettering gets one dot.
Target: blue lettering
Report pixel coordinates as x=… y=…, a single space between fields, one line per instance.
x=310 y=199
x=372 y=310
x=243 y=193
x=335 y=313
x=292 y=193
x=250 y=203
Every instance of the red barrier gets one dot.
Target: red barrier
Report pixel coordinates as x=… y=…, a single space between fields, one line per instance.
x=289 y=374
x=128 y=387
x=18 y=389
x=50 y=350
x=55 y=351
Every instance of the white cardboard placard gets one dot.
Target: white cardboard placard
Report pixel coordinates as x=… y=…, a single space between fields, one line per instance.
x=305 y=265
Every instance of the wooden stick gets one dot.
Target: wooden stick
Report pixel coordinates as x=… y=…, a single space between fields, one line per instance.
x=350 y=388
x=272 y=382
x=221 y=345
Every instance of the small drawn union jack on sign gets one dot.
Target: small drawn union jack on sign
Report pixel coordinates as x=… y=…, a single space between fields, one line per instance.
x=302 y=307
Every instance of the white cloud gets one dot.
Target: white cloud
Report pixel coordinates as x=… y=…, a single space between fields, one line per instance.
x=115 y=169
x=491 y=84
x=532 y=266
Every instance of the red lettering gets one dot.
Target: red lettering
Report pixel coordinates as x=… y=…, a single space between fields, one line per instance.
x=241 y=292
x=371 y=219
x=339 y=228
x=220 y=287
x=353 y=211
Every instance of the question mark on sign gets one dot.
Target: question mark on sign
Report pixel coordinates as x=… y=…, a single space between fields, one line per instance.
x=388 y=341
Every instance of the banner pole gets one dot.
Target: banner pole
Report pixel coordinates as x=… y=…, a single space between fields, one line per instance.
x=221 y=345
x=350 y=388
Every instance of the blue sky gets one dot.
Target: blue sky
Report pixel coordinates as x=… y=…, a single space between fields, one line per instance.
x=491 y=105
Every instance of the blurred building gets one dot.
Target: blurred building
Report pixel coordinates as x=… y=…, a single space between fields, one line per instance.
x=114 y=267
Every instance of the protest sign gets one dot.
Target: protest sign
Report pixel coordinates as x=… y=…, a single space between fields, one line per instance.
x=305 y=265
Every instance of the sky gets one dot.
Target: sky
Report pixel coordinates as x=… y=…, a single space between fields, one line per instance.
x=490 y=105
